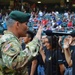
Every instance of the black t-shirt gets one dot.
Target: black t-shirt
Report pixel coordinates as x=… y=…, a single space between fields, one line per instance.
x=48 y=62
x=61 y=58
x=39 y=58
x=72 y=48
x=52 y=62
x=29 y=68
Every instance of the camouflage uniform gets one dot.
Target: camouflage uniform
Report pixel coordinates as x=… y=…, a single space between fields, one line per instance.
x=13 y=59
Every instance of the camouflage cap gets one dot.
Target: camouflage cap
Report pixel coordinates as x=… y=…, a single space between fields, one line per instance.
x=19 y=16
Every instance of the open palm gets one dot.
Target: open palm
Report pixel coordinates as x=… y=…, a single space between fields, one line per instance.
x=67 y=41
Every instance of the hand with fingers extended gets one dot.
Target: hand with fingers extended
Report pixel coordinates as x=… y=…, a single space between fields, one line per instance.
x=65 y=41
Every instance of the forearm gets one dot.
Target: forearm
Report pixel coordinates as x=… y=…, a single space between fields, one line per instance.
x=62 y=68
x=43 y=55
x=68 y=56
x=38 y=35
x=33 y=67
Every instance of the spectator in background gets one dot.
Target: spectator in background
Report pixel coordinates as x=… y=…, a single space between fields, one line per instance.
x=59 y=22
x=41 y=65
x=40 y=13
x=68 y=47
x=32 y=67
x=68 y=69
x=52 y=59
x=70 y=24
x=1 y=17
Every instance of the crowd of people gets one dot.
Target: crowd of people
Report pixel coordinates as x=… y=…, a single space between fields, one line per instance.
x=27 y=50
x=53 y=20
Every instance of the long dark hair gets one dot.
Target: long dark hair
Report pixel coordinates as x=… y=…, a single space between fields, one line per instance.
x=53 y=40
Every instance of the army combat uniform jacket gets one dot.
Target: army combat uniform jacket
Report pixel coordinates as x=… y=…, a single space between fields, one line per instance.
x=13 y=58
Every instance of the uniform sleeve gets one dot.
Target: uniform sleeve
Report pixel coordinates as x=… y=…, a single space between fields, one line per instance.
x=14 y=57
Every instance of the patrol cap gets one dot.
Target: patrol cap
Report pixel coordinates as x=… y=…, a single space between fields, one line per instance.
x=19 y=16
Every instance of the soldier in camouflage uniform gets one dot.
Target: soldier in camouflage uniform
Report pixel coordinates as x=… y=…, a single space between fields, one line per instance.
x=13 y=59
